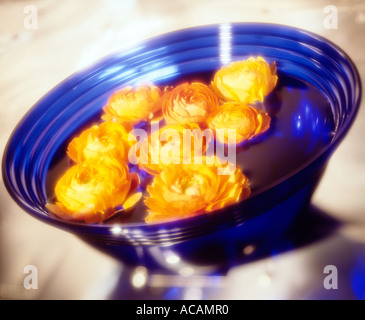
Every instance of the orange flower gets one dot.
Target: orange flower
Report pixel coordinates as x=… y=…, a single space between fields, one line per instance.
x=93 y=191
x=169 y=145
x=182 y=191
x=189 y=103
x=133 y=105
x=245 y=120
x=107 y=139
x=246 y=81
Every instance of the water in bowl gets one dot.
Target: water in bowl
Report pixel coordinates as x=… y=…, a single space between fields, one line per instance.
x=302 y=124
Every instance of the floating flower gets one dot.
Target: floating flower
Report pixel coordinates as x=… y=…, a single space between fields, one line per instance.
x=107 y=139
x=244 y=121
x=93 y=191
x=182 y=191
x=133 y=105
x=189 y=103
x=246 y=81
x=174 y=143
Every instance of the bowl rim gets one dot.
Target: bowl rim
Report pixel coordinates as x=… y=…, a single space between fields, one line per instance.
x=77 y=226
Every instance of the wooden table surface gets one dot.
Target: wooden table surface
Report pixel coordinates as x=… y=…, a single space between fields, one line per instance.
x=71 y=35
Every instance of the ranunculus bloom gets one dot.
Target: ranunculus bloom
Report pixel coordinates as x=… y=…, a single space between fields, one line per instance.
x=182 y=191
x=133 y=105
x=93 y=191
x=189 y=103
x=245 y=121
x=107 y=139
x=174 y=143
x=247 y=81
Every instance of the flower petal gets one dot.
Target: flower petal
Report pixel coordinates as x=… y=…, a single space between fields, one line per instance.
x=246 y=81
x=182 y=191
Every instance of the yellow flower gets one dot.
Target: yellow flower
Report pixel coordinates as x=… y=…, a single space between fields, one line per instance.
x=133 y=105
x=245 y=121
x=189 y=103
x=246 y=81
x=107 y=139
x=174 y=143
x=182 y=191
x=93 y=191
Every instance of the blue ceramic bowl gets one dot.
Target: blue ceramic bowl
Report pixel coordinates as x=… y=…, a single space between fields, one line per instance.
x=206 y=242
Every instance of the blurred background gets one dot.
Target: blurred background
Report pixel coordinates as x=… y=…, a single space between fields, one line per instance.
x=66 y=36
